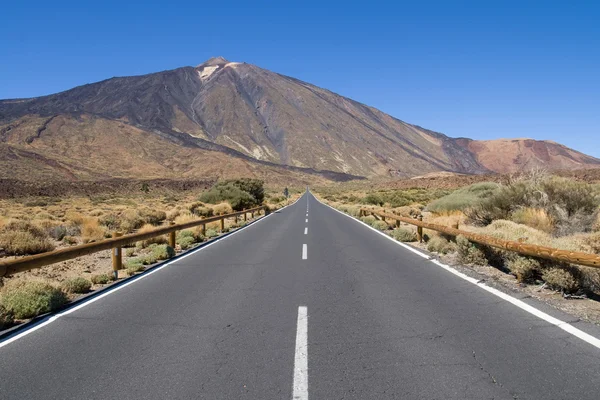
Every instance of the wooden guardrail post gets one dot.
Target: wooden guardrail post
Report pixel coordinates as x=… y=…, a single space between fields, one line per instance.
x=252 y=213
x=203 y=229
x=397 y=223
x=222 y=224
x=420 y=230
x=117 y=257
x=172 y=237
x=245 y=216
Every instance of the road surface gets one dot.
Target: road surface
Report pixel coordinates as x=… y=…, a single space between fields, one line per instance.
x=306 y=303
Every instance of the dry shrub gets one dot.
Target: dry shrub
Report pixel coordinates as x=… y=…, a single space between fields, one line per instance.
x=595 y=226
x=508 y=230
x=185 y=217
x=201 y=210
x=561 y=279
x=101 y=279
x=173 y=214
x=380 y=225
x=440 y=244
x=590 y=278
x=129 y=220
x=154 y=240
x=407 y=211
x=222 y=208
x=20 y=238
x=76 y=285
x=151 y=216
x=447 y=219
x=27 y=299
x=7 y=318
x=536 y=218
x=91 y=230
x=524 y=268
x=214 y=225
x=469 y=253
x=593 y=241
x=369 y=219
x=74 y=217
x=404 y=235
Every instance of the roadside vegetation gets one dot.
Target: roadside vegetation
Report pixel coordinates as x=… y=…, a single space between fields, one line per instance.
x=536 y=208
x=36 y=225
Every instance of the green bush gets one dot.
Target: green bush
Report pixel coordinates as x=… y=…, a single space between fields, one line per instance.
x=439 y=244
x=32 y=298
x=134 y=268
x=101 y=279
x=211 y=233
x=469 y=253
x=464 y=198
x=240 y=193
x=374 y=199
x=404 y=235
x=380 y=225
x=561 y=279
x=162 y=252
x=186 y=239
x=7 y=318
x=76 y=285
x=201 y=210
x=369 y=219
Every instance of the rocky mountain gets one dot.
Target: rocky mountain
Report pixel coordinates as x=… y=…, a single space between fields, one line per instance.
x=228 y=118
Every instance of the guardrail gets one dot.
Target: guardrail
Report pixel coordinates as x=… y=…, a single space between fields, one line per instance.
x=116 y=244
x=548 y=253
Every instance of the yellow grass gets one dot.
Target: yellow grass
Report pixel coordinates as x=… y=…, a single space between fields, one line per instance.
x=157 y=239
x=91 y=230
x=222 y=208
x=535 y=218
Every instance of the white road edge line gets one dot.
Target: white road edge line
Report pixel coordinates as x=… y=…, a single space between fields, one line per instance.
x=68 y=311
x=306 y=230
x=304 y=251
x=300 y=388
x=586 y=337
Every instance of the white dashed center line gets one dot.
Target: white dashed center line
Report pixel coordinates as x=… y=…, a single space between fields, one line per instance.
x=304 y=251
x=300 y=389
x=306 y=230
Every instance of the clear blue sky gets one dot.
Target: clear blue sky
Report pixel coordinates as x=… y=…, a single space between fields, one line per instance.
x=480 y=69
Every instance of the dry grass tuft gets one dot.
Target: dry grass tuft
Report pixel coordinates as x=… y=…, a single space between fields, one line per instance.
x=92 y=231
x=536 y=218
x=155 y=240
x=561 y=279
x=76 y=285
x=21 y=238
x=222 y=208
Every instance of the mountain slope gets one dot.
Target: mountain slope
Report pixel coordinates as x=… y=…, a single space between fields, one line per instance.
x=258 y=116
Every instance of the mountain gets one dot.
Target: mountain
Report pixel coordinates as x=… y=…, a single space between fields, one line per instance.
x=227 y=118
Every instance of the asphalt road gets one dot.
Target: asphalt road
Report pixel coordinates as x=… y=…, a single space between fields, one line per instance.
x=258 y=315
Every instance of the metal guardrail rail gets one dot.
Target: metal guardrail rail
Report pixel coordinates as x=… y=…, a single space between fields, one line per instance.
x=548 y=253
x=116 y=243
